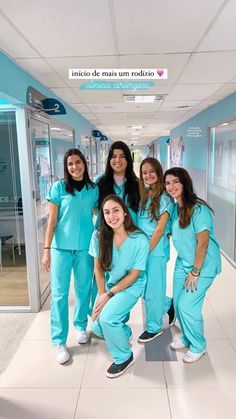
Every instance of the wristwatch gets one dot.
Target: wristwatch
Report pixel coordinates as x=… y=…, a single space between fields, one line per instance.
x=110 y=294
x=196 y=270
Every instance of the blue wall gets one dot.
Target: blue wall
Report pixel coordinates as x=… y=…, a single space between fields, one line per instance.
x=162 y=141
x=195 y=152
x=14 y=82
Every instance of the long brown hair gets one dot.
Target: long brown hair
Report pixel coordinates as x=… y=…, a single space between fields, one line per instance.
x=106 y=233
x=106 y=183
x=160 y=187
x=189 y=197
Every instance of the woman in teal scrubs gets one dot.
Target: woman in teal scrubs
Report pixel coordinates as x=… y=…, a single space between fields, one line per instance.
x=121 y=251
x=198 y=260
x=119 y=178
x=68 y=234
x=153 y=218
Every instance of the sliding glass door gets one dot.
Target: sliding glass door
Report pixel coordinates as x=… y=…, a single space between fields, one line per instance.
x=222 y=184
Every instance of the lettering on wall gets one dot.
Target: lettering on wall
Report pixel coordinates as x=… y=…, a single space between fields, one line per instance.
x=195 y=132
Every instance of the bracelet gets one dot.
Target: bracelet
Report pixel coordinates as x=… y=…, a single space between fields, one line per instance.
x=47 y=247
x=196 y=270
x=195 y=274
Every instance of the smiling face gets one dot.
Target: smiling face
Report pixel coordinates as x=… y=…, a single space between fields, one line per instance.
x=114 y=214
x=174 y=188
x=149 y=175
x=75 y=167
x=118 y=162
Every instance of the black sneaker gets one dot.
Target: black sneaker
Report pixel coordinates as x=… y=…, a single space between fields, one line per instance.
x=117 y=369
x=171 y=314
x=147 y=336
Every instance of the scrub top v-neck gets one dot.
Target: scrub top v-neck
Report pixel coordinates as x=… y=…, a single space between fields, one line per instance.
x=132 y=254
x=75 y=216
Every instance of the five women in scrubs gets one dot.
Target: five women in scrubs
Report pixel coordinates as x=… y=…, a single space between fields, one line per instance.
x=153 y=218
x=68 y=234
x=198 y=261
x=124 y=255
x=121 y=251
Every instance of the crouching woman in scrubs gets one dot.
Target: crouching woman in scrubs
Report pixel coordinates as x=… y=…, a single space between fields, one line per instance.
x=121 y=251
x=68 y=234
x=197 y=264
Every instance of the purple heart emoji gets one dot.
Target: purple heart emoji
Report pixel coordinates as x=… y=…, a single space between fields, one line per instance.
x=160 y=72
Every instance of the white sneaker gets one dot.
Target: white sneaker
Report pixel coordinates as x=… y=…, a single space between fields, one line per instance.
x=177 y=345
x=192 y=356
x=62 y=354
x=82 y=336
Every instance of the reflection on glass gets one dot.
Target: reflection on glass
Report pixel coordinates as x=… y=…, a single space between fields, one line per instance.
x=85 y=147
x=104 y=149
x=221 y=183
x=13 y=272
x=61 y=140
x=42 y=181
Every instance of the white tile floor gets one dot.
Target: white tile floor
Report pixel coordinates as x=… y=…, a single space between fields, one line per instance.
x=34 y=386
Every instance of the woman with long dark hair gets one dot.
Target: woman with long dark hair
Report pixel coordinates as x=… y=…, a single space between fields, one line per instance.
x=119 y=178
x=67 y=239
x=155 y=210
x=120 y=250
x=198 y=261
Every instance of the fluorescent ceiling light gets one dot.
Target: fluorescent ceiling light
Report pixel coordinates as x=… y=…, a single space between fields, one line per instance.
x=225 y=123
x=137 y=126
x=55 y=129
x=143 y=98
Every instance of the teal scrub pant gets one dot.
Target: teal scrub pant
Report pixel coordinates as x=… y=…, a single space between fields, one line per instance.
x=156 y=302
x=188 y=307
x=63 y=261
x=94 y=293
x=112 y=326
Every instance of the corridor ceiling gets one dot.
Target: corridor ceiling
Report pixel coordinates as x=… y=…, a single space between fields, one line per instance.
x=194 y=40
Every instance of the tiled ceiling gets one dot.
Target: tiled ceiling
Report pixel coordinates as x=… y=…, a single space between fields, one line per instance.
x=194 y=40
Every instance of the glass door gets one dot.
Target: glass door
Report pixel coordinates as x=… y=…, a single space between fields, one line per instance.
x=14 y=290
x=221 y=188
x=42 y=181
x=61 y=139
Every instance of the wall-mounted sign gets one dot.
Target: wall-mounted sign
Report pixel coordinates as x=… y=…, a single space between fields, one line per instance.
x=104 y=138
x=176 y=151
x=96 y=133
x=195 y=132
x=53 y=107
x=39 y=101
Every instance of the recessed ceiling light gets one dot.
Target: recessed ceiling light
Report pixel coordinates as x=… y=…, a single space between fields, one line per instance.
x=136 y=127
x=143 y=98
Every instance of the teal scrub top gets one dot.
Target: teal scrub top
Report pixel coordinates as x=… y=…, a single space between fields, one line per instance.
x=119 y=191
x=185 y=242
x=75 y=216
x=162 y=248
x=132 y=254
